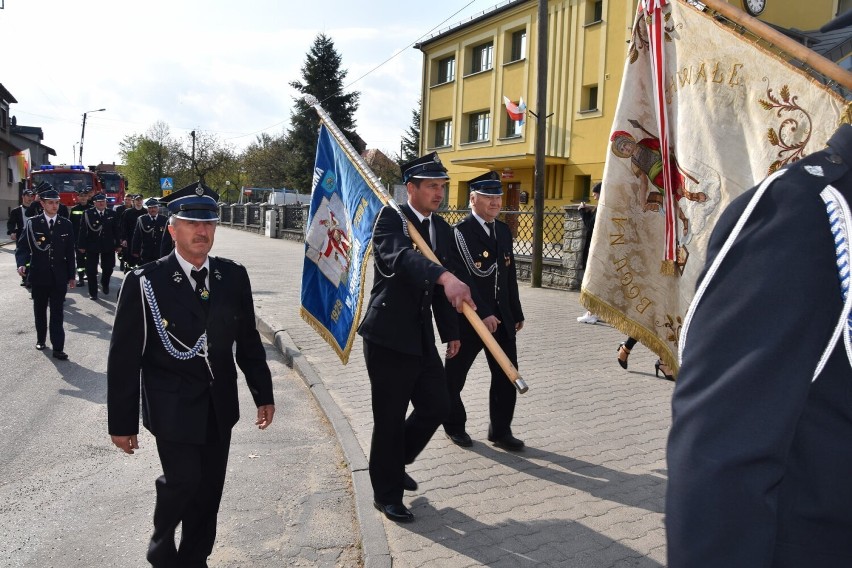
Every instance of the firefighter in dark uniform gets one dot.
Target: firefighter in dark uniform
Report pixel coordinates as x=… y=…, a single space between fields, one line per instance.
x=148 y=235
x=48 y=241
x=76 y=217
x=127 y=225
x=17 y=222
x=399 y=342
x=759 y=453
x=119 y=211
x=99 y=241
x=483 y=245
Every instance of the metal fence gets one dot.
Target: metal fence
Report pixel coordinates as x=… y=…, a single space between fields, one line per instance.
x=290 y=223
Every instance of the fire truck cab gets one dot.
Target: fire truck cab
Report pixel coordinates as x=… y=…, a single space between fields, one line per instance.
x=67 y=180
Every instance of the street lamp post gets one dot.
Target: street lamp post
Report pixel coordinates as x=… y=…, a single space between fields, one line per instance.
x=83 y=133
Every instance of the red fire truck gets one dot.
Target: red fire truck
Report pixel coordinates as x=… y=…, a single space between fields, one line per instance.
x=114 y=184
x=67 y=180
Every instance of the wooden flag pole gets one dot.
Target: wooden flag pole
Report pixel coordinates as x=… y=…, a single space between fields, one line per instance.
x=807 y=56
x=472 y=317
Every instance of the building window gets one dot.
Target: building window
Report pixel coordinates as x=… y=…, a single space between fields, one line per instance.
x=590 y=99
x=482 y=57
x=519 y=45
x=4 y=119
x=594 y=11
x=443 y=133
x=446 y=70
x=513 y=128
x=479 y=127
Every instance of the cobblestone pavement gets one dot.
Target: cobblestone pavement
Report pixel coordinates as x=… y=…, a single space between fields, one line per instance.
x=587 y=491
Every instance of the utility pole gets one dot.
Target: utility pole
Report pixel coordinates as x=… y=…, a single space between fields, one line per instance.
x=540 y=140
x=193 y=151
x=83 y=133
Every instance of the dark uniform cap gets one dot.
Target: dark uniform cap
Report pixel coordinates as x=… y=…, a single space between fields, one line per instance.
x=99 y=197
x=428 y=166
x=152 y=202
x=42 y=186
x=27 y=192
x=487 y=184
x=48 y=194
x=195 y=202
x=137 y=196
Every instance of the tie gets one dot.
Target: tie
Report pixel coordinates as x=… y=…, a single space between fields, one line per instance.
x=50 y=224
x=200 y=277
x=424 y=230
x=490 y=226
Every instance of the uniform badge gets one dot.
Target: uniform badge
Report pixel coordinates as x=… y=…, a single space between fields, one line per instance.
x=485 y=253
x=199 y=191
x=216 y=274
x=165 y=322
x=177 y=277
x=814 y=170
x=477 y=264
x=205 y=294
x=138 y=272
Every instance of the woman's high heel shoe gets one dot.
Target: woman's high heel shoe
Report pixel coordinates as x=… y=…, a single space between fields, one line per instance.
x=622 y=348
x=660 y=367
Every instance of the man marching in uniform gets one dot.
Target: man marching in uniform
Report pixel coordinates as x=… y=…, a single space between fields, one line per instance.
x=17 y=222
x=399 y=342
x=484 y=248
x=48 y=244
x=128 y=220
x=176 y=324
x=148 y=234
x=76 y=218
x=98 y=240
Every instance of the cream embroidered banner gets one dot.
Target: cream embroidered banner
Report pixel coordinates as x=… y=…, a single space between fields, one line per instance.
x=732 y=113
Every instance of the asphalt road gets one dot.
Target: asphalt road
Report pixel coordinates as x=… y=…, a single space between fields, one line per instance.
x=69 y=498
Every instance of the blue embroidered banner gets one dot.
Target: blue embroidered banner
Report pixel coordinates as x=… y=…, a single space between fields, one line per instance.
x=337 y=245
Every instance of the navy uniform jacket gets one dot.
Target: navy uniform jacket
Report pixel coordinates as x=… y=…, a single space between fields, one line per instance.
x=176 y=395
x=759 y=456
x=76 y=216
x=98 y=233
x=127 y=223
x=404 y=294
x=50 y=254
x=495 y=294
x=17 y=219
x=147 y=237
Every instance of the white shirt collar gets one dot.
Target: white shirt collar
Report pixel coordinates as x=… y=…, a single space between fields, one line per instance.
x=188 y=267
x=481 y=222
x=49 y=219
x=416 y=212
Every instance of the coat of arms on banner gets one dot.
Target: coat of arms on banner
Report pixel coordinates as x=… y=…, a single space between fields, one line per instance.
x=328 y=240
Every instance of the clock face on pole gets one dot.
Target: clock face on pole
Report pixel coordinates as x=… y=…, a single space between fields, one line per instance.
x=754 y=7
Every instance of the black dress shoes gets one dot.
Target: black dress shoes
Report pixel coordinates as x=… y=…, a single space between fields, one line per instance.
x=105 y=288
x=507 y=442
x=408 y=483
x=39 y=346
x=397 y=513
x=61 y=355
x=462 y=439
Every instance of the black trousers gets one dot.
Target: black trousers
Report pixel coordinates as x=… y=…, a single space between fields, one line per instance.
x=395 y=380
x=502 y=395
x=52 y=297
x=106 y=259
x=189 y=493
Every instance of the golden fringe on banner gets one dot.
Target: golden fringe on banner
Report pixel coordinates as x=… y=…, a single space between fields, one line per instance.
x=614 y=317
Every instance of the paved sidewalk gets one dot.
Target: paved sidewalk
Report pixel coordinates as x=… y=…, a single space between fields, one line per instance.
x=587 y=491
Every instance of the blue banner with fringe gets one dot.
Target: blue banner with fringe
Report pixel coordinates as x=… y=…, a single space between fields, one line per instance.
x=338 y=243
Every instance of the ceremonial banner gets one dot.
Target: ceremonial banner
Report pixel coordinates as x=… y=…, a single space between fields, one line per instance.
x=703 y=115
x=337 y=245
x=20 y=164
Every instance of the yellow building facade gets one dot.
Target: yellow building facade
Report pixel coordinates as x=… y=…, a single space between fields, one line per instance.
x=470 y=68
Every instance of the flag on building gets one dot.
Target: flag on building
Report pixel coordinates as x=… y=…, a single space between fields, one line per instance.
x=338 y=242
x=20 y=165
x=703 y=115
x=517 y=111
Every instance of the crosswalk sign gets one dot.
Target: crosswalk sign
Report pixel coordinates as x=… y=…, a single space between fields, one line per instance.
x=166 y=184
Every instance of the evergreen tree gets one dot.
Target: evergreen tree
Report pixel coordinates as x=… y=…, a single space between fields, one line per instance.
x=410 y=143
x=323 y=78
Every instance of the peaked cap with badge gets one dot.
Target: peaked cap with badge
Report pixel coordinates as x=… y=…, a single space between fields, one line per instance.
x=152 y=202
x=428 y=166
x=487 y=184
x=195 y=202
